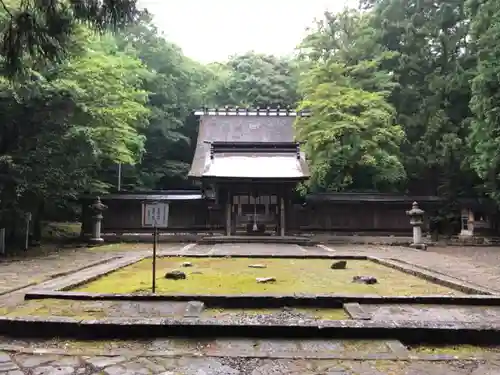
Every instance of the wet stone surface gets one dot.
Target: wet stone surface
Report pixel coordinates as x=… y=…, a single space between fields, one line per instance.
x=434 y=313
x=157 y=365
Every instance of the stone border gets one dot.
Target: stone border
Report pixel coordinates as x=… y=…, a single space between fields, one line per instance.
x=402 y=355
x=103 y=270
x=60 y=274
x=434 y=277
x=407 y=331
x=270 y=301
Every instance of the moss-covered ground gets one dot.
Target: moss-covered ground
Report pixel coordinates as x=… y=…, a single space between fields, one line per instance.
x=313 y=313
x=232 y=276
x=456 y=350
x=105 y=309
x=93 y=309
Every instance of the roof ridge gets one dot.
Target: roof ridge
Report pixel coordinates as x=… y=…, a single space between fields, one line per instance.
x=249 y=111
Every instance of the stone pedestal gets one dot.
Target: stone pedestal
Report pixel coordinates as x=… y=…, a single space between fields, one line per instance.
x=97 y=208
x=417 y=221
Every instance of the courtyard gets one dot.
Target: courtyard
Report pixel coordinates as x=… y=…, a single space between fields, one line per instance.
x=233 y=355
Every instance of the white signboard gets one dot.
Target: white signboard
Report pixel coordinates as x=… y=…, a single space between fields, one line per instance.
x=155 y=214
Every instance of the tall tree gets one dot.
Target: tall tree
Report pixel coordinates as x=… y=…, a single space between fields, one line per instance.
x=37 y=31
x=351 y=137
x=174 y=91
x=59 y=127
x=485 y=102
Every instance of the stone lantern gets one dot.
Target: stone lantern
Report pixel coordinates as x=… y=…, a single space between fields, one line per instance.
x=97 y=208
x=417 y=221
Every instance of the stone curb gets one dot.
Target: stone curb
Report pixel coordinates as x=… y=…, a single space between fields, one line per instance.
x=59 y=274
x=270 y=301
x=14 y=349
x=431 y=276
x=409 y=331
x=442 y=274
x=79 y=279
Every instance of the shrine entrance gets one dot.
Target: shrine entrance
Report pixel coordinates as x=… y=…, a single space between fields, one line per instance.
x=255 y=213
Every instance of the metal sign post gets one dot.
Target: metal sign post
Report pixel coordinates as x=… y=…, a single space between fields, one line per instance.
x=155 y=215
x=155 y=241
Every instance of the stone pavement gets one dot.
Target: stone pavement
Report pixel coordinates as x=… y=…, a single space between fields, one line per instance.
x=68 y=365
x=239 y=357
x=19 y=275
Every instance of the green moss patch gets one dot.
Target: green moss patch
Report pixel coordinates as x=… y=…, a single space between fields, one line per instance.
x=312 y=313
x=122 y=247
x=64 y=230
x=456 y=350
x=232 y=276
x=95 y=309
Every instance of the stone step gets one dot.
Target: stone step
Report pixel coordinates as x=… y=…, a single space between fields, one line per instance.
x=292 y=240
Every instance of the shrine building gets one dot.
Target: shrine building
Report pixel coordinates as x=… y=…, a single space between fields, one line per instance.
x=249 y=165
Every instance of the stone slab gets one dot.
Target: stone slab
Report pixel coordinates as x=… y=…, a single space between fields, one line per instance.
x=257 y=326
x=194 y=309
x=356 y=311
x=480 y=314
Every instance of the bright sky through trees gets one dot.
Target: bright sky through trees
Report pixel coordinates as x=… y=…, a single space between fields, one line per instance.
x=212 y=30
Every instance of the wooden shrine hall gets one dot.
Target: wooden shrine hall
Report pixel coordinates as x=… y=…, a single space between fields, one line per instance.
x=249 y=165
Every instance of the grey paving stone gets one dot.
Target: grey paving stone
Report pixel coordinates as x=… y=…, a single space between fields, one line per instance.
x=486 y=369
x=4 y=357
x=8 y=366
x=143 y=365
x=279 y=367
x=321 y=345
x=120 y=370
x=15 y=372
x=67 y=361
x=33 y=360
x=277 y=346
x=101 y=361
x=205 y=366
x=235 y=345
x=51 y=370
x=365 y=368
x=194 y=309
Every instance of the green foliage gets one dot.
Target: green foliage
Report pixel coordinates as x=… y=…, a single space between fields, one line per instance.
x=404 y=96
x=42 y=30
x=252 y=80
x=485 y=104
x=351 y=138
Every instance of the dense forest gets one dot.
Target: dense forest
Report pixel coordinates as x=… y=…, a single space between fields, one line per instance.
x=404 y=95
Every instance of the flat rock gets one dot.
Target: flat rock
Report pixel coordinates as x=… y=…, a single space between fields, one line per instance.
x=175 y=275
x=103 y=361
x=257 y=266
x=265 y=280
x=364 y=280
x=194 y=309
x=50 y=370
x=340 y=265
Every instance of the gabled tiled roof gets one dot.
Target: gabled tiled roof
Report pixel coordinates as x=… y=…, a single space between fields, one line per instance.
x=253 y=126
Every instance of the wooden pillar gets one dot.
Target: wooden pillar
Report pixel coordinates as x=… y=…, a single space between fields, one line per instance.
x=282 y=215
x=228 y=213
